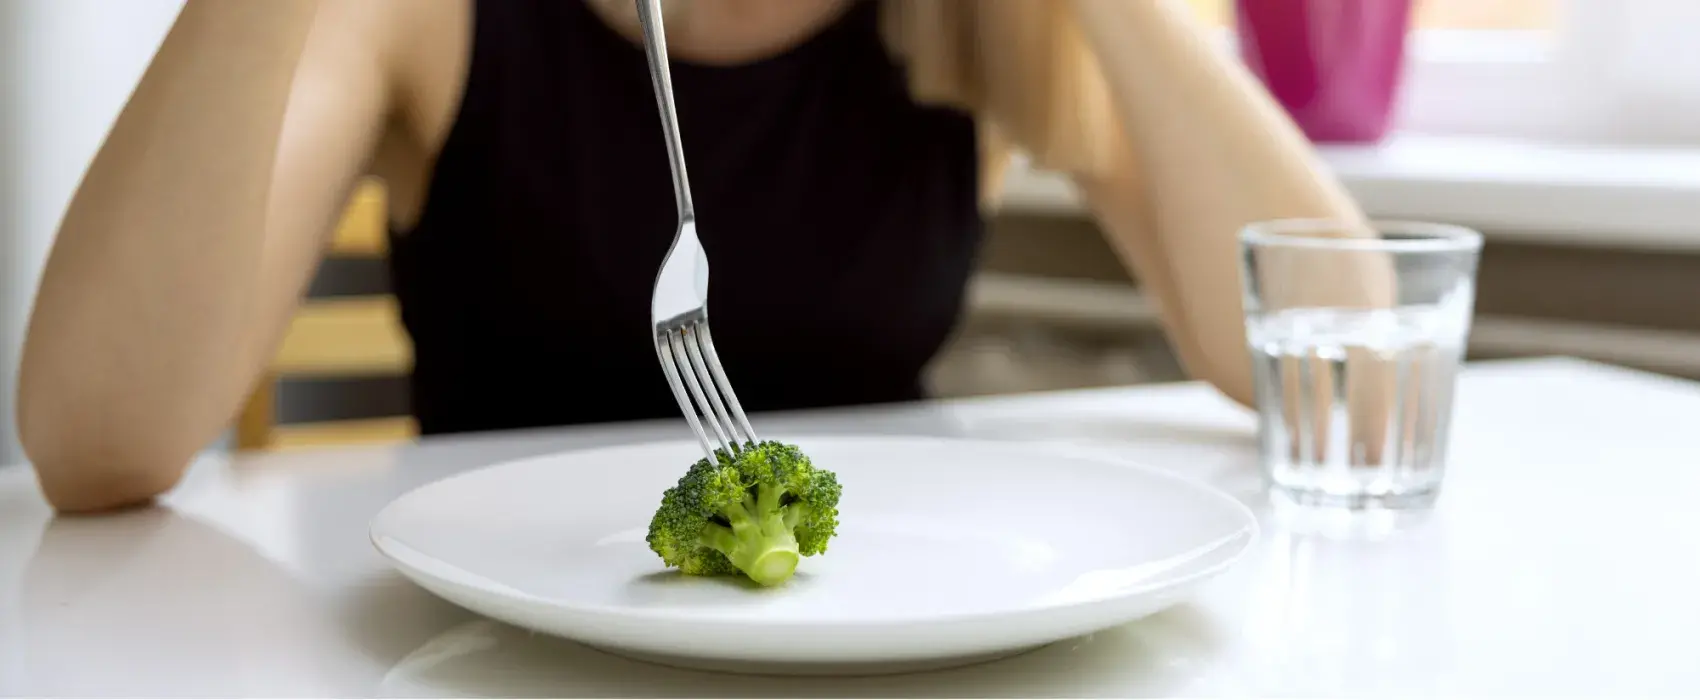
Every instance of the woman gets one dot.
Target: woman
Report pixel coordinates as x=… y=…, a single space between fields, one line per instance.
x=841 y=151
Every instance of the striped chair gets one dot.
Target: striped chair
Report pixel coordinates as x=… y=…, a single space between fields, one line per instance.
x=342 y=337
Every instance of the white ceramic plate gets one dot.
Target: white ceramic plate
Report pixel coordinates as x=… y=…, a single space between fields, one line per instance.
x=948 y=552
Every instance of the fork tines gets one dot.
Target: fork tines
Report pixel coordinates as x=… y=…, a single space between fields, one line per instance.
x=687 y=352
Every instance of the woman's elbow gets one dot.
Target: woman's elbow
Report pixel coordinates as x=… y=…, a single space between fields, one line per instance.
x=83 y=469
x=1228 y=370
x=1238 y=388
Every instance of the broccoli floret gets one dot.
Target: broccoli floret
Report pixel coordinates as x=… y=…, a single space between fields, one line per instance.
x=755 y=513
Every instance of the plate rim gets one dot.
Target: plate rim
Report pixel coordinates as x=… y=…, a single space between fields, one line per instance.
x=1237 y=543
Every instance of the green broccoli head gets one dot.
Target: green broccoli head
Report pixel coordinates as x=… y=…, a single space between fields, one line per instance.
x=755 y=513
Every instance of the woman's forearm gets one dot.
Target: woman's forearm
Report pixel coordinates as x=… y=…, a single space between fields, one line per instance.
x=1214 y=152
x=139 y=332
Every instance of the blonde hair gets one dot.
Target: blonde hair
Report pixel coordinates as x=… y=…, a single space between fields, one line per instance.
x=1023 y=67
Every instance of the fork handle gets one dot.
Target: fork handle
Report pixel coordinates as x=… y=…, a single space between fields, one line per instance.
x=655 y=46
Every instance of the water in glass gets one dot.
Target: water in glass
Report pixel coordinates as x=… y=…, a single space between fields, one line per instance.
x=1355 y=401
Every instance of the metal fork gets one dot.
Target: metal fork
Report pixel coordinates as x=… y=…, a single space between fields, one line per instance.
x=679 y=307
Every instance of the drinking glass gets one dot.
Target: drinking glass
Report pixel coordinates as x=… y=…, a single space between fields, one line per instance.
x=1356 y=332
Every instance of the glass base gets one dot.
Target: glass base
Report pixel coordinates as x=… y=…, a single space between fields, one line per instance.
x=1416 y=499
x=1369 y=517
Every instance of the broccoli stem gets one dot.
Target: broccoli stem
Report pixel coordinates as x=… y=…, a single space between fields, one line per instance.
x=760 y=541
x=794 y=514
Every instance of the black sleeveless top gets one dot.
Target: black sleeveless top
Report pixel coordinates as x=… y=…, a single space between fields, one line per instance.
x=840 y=219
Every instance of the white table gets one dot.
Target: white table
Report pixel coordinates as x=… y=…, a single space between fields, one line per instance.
x=1563 y=558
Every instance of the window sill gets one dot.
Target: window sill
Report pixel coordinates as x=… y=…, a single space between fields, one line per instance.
x=1569 y=194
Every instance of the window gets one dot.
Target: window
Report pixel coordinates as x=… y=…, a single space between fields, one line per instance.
x=1619 y=71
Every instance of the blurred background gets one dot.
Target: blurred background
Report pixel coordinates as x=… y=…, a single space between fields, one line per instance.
x=1565 y=130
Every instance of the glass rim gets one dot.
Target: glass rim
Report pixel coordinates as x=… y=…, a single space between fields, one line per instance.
x=1433 y=237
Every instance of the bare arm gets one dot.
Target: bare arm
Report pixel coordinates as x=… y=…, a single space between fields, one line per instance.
x=1207 y=151
x=189 y=240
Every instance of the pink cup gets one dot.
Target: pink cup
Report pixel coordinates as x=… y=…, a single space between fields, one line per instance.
x=1335 y=65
